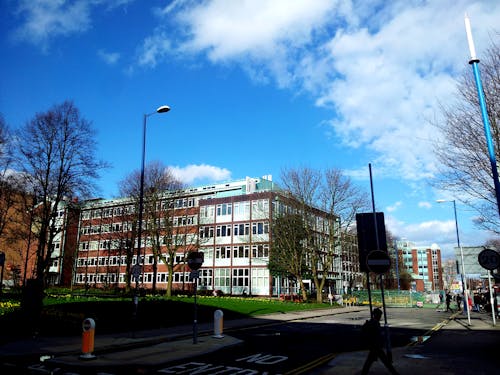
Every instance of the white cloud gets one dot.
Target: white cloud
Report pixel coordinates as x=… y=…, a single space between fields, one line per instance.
x=153 y=49
x=43 y=20
x=394 y=207
x=202 y=172
x=381 y=66
x=109 y=58
x=443 y=233
x=424 y=205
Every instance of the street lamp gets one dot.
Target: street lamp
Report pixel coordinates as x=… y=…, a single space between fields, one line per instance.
x=464 y=280
x=137 y=269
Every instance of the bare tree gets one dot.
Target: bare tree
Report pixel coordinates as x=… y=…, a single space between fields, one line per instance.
x=465 y=169
x=56 y=155
x=337 y=196
x=159 y=183
x=288 y=256
x=341 y=197
x=8 y=188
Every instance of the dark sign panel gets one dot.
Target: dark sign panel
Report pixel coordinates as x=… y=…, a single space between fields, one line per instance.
x=367 y=235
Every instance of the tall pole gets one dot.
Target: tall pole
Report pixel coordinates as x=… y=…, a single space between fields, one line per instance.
x=381 y=278
x=138 y=268
x=397 y=264
x=464 y=279
x=474 y=61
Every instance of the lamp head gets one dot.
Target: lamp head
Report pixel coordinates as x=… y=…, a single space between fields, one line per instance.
x=440 y=201
x=163 y=109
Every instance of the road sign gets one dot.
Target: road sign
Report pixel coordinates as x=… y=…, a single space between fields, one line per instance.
x=195 y=260
x=489 y=259
x=371 y=235
x=136 y=271
x=378 y=261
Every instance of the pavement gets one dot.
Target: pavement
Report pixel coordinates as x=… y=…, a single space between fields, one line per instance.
x=459 y=348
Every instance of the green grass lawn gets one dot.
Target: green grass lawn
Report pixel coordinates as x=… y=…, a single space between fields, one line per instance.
x=63 y=315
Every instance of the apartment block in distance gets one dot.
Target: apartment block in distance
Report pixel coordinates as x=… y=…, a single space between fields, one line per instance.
x=229 y=222
x=424 y=265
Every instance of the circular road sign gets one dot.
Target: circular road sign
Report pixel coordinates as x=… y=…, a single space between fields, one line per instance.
x=378 y=261
x=489 y=259
x=195 y=260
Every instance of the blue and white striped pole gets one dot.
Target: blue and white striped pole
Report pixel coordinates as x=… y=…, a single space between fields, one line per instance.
x=474 y=61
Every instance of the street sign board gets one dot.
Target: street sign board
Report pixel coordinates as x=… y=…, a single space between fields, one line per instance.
x=378 y=261
x=195 y=260
x=489 y=259
x=136 y=271
x=371 y=235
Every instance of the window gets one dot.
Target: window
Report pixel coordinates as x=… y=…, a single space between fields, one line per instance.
x=260 y=251
x=223 y=230
x=221 y=278
x=224 y=209
x=241 y=208
x=223 y=252
x=260 y=228
x=241 y=251
x=206 y=232
x=205 y=278
x=240 y=277
x=241 y=229
x=260 y=278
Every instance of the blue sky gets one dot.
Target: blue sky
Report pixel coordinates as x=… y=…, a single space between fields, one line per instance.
x=256 y=86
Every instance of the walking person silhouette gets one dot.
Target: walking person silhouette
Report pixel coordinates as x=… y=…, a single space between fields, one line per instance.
x=373 y=336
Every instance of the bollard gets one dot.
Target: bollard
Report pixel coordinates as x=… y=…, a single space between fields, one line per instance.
x=88 y=326
x=218 y=324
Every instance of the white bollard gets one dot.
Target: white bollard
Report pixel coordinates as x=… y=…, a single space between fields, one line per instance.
x=218 y=324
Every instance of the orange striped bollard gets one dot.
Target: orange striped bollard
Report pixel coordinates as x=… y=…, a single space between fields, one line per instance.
x=88 y=326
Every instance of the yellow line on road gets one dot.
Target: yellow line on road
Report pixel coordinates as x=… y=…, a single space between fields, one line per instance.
x=313 y=364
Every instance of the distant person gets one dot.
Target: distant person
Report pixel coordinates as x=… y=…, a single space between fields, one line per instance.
x=372 y=335
x=459 y=301
x=448 y=301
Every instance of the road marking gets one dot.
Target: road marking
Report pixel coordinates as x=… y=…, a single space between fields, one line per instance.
x=313 y=364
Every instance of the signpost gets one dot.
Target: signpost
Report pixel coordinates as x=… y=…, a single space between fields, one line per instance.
x=195 y=261
x=490 y=260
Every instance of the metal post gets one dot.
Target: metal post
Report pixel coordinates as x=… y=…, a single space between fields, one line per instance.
x=474 y=61
x=386 y=326
x=139 y=229
x=195 y=321
x=397 y=265
x=493 y=312
x=464 y=280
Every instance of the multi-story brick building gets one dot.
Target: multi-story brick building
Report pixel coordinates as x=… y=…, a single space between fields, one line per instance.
x=424 y=265
x=230 y=223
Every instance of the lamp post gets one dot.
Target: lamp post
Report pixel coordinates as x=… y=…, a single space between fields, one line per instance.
x=464 y=280
x=137 y=268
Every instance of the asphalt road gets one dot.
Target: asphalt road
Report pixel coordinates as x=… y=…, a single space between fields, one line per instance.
x=293 y=347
